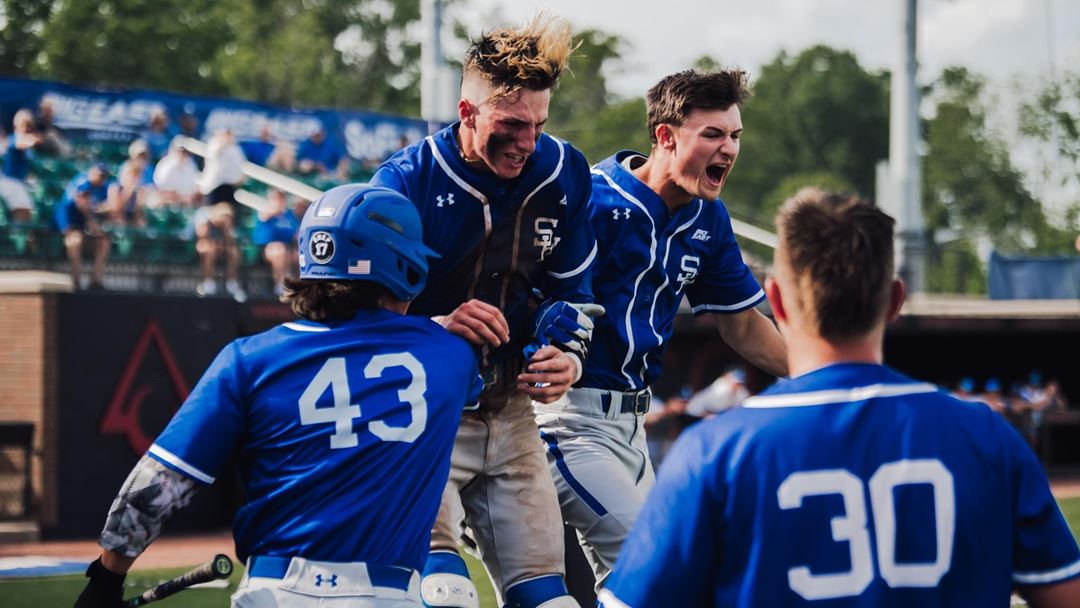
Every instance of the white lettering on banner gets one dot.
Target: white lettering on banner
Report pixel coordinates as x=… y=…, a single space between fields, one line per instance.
x=83 y=112
x=248 y=124
x=363 y=141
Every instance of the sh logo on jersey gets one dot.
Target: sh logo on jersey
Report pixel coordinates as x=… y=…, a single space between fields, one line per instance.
x=545 y=235
x=321 y=247
x=689 y=266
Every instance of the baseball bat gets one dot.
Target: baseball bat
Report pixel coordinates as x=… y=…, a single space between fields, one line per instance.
x=219 y=567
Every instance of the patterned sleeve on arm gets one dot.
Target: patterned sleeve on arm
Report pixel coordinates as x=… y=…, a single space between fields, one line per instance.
x=152 y=494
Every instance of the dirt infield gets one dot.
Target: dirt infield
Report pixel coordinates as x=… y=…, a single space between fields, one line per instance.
x=177 y=551
x=166 y=552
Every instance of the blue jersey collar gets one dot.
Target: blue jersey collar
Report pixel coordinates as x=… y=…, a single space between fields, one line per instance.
x=628 y=182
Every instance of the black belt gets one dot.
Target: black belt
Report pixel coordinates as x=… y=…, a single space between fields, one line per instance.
x=502 y=374
x=631 y=403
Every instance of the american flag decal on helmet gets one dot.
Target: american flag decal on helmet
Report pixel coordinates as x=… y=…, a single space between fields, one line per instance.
x=359 y=266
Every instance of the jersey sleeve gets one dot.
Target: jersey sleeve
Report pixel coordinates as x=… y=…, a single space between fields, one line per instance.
x=200 y=439
x=671 y=551
x=569 y=268
x=1044 y=550
x=725 y=283
x=388 y=176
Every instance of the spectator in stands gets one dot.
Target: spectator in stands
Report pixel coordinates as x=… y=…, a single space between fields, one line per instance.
x=189 y=125
x=322 y=155
x=23 y=140
x=158 y=134
x=135 y=176
x=664 y=423
x=89 y=199
x=176 y=179
x=224 y=170
x=54 y=143
x=259 y=150
x=215 y=238
x=283 y=160
x=726 y=392
x=275 y=232
x=995 y=398
x=965 y=389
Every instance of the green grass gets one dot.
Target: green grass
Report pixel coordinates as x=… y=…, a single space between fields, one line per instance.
x=61 y=591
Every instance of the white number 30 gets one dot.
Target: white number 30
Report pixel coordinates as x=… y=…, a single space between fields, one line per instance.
x=332 y=375
x=851 y=527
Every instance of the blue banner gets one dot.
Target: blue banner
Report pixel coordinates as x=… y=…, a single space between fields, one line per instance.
x=120 y=116
x=1034 y=277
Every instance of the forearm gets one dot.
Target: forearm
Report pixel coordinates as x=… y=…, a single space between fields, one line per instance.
x=756 y=339
x=151 y=496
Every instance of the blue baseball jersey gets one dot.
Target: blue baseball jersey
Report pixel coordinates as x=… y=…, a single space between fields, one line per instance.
x=343 y=434
x=648 y=259
x=278 y=229
x=499 y=239
x=327 y=152
x=852 y=485
x=16 y=161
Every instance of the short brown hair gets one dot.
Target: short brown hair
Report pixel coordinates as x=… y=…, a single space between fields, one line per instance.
x=840 y=252
x=531 y=57
x=671 y=100
x=323 y=300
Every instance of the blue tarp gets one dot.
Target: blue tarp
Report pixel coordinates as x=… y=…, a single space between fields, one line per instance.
x=1034 y=277
x=105 y=115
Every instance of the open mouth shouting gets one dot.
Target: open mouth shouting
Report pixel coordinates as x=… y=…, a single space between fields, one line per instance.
x=715 y=174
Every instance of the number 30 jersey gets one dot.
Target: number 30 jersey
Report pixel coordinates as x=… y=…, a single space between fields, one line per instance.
x=343 y=434
x=848 y=486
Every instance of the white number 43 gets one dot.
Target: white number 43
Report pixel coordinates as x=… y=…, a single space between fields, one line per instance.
x=851 y=527
x=332 y=375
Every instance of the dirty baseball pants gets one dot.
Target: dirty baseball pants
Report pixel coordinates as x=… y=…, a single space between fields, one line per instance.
x=501 y=488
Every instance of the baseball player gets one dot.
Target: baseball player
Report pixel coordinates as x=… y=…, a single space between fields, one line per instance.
x=504 y=205
x=343 y=422
x=662 y=234
x=848 y=484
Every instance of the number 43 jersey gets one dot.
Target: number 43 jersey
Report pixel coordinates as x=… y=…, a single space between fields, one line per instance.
x=343 y=434
x=848 y=486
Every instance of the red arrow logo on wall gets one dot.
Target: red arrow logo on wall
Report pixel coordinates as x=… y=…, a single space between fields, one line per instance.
x=122 y=414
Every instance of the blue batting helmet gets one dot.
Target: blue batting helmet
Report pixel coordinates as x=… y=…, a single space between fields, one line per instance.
x=369 y=233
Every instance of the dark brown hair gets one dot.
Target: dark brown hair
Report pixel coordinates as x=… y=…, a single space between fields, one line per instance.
x=840 y=251
x=328 y=300
x=671 y=100
x=532 y=57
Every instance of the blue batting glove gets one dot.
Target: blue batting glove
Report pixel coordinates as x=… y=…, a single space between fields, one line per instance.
x=566 y=325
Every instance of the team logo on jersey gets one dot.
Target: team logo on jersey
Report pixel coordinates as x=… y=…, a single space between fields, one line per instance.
x=545 y=235
x=621 y=213
x=689 y=266
x=321 y=248
x=700 y=235
x=448 y=200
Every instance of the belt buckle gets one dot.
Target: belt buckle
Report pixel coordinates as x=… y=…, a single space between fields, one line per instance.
x=490 y=375
x=639 y=403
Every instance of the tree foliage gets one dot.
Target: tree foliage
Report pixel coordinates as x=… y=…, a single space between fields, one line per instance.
x=20 y=35
x=819 y=112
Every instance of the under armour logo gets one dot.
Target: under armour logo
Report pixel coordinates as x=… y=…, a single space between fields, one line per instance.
x=449 y=200
x=624 y=211
x=562 y=201
x=319 y=580
x=701 y=235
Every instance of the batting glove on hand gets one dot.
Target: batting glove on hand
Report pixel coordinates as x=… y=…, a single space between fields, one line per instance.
x=567 y=326
x=104 y=590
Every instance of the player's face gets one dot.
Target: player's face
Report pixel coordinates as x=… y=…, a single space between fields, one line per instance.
x=706 y=146
x=507 y=130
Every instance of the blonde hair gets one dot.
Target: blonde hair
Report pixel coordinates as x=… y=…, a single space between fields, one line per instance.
x=531 y=57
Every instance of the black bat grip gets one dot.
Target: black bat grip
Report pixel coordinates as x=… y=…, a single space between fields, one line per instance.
x=219 y=567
